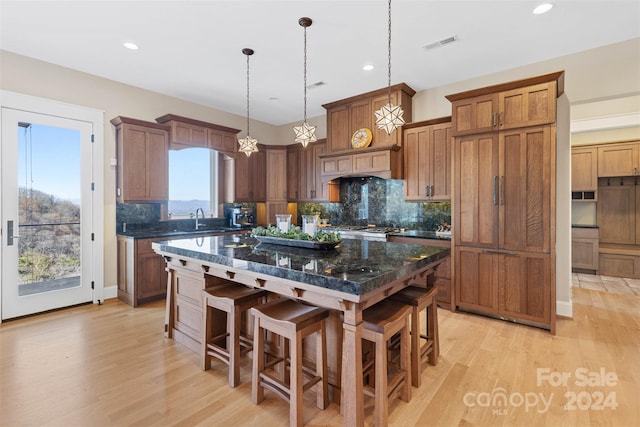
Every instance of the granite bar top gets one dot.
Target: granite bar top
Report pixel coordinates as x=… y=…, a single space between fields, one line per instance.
x=150 y=234
x=421 y=234
x=354 y=266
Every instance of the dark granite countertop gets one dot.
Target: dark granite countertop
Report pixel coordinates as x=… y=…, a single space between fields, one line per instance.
x=421 y=234
x=150 y=234
x=354 y=266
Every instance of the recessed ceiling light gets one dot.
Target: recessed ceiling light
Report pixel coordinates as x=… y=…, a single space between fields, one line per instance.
x=368 y=67
x=543 y=8
x=274 y=99
x=131 y=46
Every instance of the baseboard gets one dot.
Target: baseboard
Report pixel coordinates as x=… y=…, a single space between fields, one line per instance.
x=564 y=309
x=110 y=292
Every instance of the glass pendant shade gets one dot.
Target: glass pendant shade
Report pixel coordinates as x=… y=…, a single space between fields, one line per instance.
x=305 y=134
x=389 y=117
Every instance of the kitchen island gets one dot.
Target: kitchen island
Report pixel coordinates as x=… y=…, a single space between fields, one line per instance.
x=348 y=279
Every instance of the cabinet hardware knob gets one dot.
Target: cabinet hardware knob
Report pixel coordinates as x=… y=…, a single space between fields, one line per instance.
x=230 y=274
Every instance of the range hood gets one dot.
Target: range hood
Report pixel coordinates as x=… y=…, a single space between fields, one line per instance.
x=383 y=162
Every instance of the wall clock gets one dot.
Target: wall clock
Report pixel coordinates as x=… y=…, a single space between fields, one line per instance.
x=361 y=138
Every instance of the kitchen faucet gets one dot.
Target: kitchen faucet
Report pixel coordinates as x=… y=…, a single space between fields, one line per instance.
x=197 y=222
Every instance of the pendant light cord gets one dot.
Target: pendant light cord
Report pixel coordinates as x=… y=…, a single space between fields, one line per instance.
x=305 y=74
x=389 y=56
x=248 y=95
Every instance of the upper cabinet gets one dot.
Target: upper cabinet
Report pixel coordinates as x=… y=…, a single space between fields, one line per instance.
x=186 y=132
x=277 y=177
x=250 y=177
x=346 y=116
x=506 y=106
x=619 y=159
x=584 y=169
x=427 y=160
x=142 y=153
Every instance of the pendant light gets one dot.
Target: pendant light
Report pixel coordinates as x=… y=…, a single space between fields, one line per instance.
x=305 y=133
x=389 y=117
x=248 y=145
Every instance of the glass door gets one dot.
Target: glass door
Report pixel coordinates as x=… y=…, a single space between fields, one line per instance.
x=46 y=212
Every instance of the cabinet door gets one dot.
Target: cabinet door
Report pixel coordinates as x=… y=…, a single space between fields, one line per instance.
x=476 y=190
x=476 y=279
x=307 y=174
x=474 y=115
x=258 y=165
x=338 y=131
x=293 y=175
x=529 y=106
x=616 y=212
x=524 y=189
x=360 y=116
x=277 y=176
x=439 y=163
x=618 y=160
x=189 y=135
x=524 y=286
x=157 y=166
x=320 y=189
x=416 y=157
x=584 y=169
x=242 y=178
x=222 y=141
x=151 y=276
x=133 y=162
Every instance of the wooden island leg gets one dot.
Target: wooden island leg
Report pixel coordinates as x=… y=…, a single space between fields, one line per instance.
x=352 y=402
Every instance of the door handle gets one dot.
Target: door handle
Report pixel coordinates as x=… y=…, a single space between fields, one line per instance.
x=498 y=252
x=10 y=235
x=495 y=185
x=501 y=190
x=500 y=115
x=493 y=120
x=431 y=191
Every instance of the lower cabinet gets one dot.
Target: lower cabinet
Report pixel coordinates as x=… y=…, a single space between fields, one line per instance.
x=141 y=272
x=513 y=285
x=619 y=261
x=443 y=272
x=584 y=249
x=188 y=281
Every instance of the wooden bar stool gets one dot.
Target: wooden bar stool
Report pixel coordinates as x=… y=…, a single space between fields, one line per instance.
x=419 y=299
x=381 y=322
x=293 y=321
x=222 y=339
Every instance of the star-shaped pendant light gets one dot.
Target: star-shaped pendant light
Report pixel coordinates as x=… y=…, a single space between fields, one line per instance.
x=305 y=133
x=389 y=117
x=248 y=145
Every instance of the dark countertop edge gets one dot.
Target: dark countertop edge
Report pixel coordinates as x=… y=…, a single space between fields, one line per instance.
x=420 y=234
x=330 y=283
x=152 y=234
x=583 y=226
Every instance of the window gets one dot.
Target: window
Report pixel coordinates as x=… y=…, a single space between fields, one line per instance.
x=193 y=182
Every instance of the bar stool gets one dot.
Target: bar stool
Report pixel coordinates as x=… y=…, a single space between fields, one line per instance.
x=221 y=339
x=293 y=321
x=381 y=322
x=419 y=299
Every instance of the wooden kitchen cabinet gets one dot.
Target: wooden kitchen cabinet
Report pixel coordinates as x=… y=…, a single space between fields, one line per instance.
x=619 y=159
x=277 y=174
x=141 y=271
x=427 y=160
x=293 y=172
x=504 y=199
x=250 y=176
x=346 y=116
x=143 y=158
x=514 y=285
x=584 y=249
x=187 y=132
x=507 y=106
x=584 y=169
x=618 y=211
x=312 y=189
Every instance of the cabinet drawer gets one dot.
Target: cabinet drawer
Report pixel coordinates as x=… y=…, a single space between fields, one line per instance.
x=620 y=265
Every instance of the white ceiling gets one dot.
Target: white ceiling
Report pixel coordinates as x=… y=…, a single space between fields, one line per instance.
x=191 y=49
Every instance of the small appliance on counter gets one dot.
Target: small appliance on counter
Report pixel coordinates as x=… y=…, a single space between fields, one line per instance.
x=444 y=230
x=242 y=217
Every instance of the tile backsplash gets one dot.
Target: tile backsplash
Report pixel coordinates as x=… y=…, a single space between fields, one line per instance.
x=371 y=200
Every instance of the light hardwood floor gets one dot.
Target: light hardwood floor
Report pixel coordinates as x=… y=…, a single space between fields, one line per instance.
x=110 y=365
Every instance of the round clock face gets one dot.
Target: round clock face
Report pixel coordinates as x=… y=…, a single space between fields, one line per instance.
x=361 y=138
